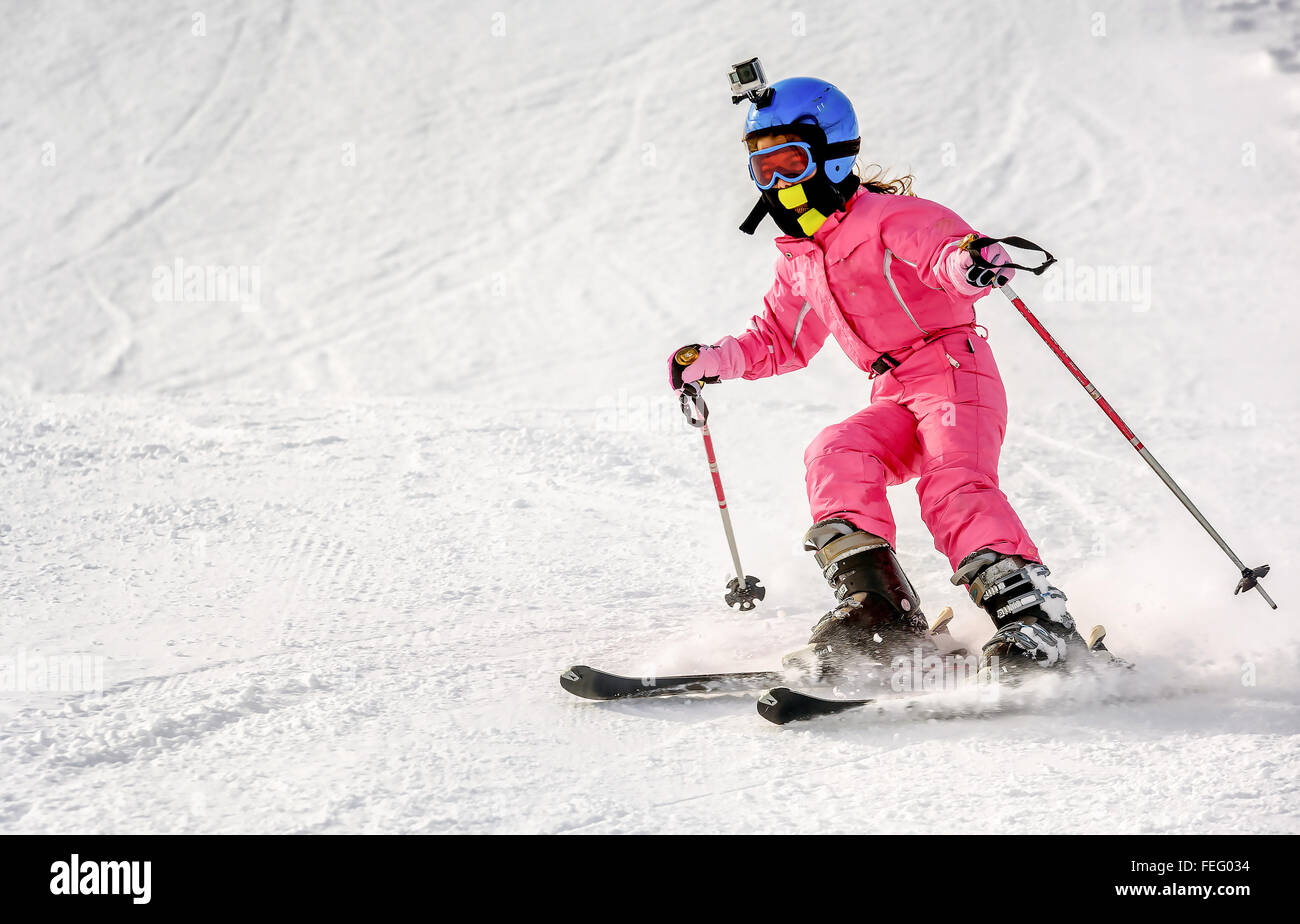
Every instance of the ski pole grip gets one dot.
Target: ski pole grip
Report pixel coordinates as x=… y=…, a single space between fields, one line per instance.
x=694 y=409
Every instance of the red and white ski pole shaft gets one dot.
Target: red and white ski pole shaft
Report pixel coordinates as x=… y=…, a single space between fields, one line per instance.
x=1250 y=577
x=722 y=499
x=744 y=589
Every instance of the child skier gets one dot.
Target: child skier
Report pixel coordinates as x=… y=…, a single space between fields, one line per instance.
x=887 y=275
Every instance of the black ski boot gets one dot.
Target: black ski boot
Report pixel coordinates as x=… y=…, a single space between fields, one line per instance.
x=1033 y=626
x=879 y=614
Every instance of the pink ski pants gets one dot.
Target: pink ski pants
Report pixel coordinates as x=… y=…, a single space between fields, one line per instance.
x=940 y=417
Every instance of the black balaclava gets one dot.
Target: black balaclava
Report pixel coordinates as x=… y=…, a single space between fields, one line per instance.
x=822 y=196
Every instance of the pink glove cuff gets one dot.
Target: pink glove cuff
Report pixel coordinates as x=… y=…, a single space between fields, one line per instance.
x=725 y=359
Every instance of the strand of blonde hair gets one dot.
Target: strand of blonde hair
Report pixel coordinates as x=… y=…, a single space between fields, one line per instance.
x=878 y=182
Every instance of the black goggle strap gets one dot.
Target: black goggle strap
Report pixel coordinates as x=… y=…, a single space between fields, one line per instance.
x=840 y=149
x=976 y=244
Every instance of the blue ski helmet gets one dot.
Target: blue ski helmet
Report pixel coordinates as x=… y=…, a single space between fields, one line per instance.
x=798 y=104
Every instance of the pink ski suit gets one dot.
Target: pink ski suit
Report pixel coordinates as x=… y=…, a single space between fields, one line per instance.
x=872 y=276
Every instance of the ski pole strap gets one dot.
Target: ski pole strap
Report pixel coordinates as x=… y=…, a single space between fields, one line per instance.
x=694 y=409
x=976 y=244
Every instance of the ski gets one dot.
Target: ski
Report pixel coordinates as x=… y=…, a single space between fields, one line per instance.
x=590 y=683
x=781 y=705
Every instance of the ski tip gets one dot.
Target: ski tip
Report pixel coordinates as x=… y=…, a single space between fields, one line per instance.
x=1095 y=638
x=770 y=704
x=782 y=705
x=578 y=680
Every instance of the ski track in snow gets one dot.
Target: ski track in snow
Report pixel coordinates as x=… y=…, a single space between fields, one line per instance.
x=331 y=554
x=326 y=660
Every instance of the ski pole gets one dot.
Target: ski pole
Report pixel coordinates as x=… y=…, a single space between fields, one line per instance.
x=743 y=590
x=1250 y=577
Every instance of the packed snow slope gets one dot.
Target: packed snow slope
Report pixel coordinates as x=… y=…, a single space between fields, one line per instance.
x=328 y=549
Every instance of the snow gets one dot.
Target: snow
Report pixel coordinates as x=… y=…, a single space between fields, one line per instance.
x=330 y=548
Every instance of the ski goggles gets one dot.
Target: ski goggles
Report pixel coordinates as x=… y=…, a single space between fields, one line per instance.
x=792 y=162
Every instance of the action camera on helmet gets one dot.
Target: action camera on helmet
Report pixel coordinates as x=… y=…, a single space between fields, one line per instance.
x=749 y=83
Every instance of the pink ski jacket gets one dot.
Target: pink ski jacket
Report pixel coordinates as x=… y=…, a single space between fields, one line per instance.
x=871 y=275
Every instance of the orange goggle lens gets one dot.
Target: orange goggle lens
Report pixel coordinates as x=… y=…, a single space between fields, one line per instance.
x=791 y=162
